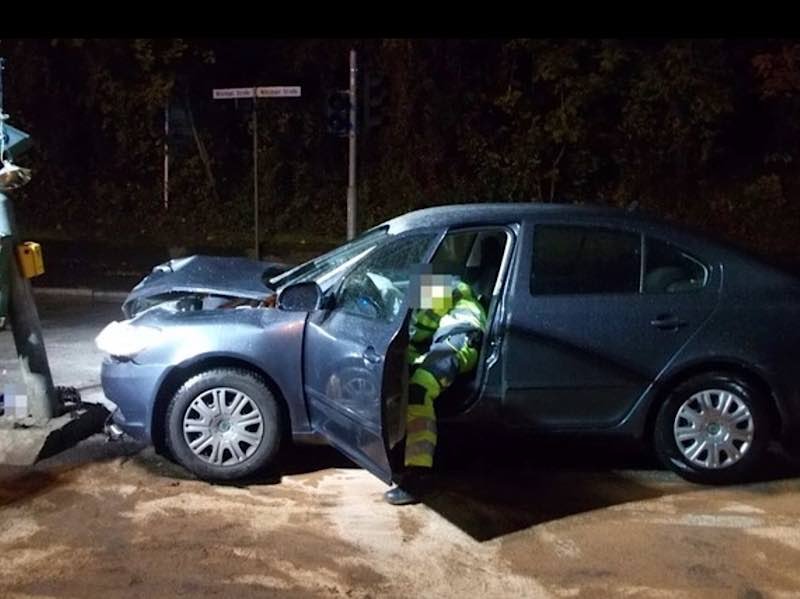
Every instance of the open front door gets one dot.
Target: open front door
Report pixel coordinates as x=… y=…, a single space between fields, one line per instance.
x=354 y=356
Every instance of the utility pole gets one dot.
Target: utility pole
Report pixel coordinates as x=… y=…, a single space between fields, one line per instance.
x=351 y=177
x=255 y=179
x=166 y=156
x=42 y=402
x=44 y=420
x=25 y=325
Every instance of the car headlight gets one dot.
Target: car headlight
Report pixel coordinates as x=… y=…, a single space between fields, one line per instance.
x=125 y=339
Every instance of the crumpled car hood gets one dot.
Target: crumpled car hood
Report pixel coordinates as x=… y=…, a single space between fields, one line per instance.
x=218 y=275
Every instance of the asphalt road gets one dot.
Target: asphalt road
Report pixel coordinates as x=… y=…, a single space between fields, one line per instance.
x=69 y=325
x=544 y=518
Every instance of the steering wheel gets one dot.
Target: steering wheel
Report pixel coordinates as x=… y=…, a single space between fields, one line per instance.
x=362 y=293
x=365 y=300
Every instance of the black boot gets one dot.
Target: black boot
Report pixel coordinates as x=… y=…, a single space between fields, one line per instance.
x=397 y=495
x=411 y=488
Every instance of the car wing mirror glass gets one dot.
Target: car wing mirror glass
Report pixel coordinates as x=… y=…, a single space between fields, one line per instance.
x=301 y=297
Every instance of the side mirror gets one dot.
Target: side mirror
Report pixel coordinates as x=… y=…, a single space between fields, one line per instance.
x=301 y=297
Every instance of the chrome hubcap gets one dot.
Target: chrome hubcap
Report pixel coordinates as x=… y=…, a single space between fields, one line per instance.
x=714 y=428
x=359 y=387
x=223 y=426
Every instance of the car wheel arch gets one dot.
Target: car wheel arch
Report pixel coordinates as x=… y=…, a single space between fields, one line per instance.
x=181 y=373
x=732 y=368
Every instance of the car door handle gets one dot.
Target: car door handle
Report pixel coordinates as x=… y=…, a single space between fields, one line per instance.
x=668 y=322
x=371 y=356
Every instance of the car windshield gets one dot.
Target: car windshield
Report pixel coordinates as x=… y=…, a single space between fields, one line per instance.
x=327 y=265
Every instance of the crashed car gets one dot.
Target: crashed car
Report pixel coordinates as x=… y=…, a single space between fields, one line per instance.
x=600 y=321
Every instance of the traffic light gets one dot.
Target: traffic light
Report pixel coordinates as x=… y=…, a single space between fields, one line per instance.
x=375 y=96
x=338 y=112
x=181 y=136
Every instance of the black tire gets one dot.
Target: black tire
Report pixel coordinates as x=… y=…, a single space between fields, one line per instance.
x=265 y=402
x=666 y=446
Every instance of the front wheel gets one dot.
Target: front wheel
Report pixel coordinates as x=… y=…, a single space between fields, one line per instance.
x=713 y=429
x=224 y=424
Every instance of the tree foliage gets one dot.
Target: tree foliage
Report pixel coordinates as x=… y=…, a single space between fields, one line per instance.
x=704 y=131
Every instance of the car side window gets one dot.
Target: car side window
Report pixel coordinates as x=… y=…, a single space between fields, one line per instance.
x=668 y=269
x=585 y=260
x=376 y=287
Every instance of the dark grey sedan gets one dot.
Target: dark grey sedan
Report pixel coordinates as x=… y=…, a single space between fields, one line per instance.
x=600 y=321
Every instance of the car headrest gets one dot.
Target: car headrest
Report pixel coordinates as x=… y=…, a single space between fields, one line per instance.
x=662 y=278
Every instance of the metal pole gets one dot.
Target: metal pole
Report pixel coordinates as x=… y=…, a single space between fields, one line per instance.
x=5 y=281
x=255 y=176
x=25 y=326
x=351 y=178
x=166 y=156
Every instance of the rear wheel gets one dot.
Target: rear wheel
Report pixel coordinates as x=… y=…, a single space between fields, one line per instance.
x=224 y=424
x=713 y=429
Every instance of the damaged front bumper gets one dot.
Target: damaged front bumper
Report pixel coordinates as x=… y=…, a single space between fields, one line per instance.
x=111 y=429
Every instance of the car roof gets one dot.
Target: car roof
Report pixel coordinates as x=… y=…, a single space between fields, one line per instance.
x=476 y=214
x=501 y=213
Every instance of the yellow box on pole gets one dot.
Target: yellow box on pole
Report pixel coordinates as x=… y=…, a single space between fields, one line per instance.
x=29 y=258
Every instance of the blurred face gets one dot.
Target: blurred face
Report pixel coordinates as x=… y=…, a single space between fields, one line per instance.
x=430 y=291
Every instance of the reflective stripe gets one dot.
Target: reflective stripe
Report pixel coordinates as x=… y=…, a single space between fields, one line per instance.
x=459 y=320
x=421 y=447
x=419 y=425
x=462 y=316
x=471 y=312
x=421 y=422
x=420 y=460
x=420 y=454
x=424 y=410
x=457 y=342
x=429 y=436
x=454 y=329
